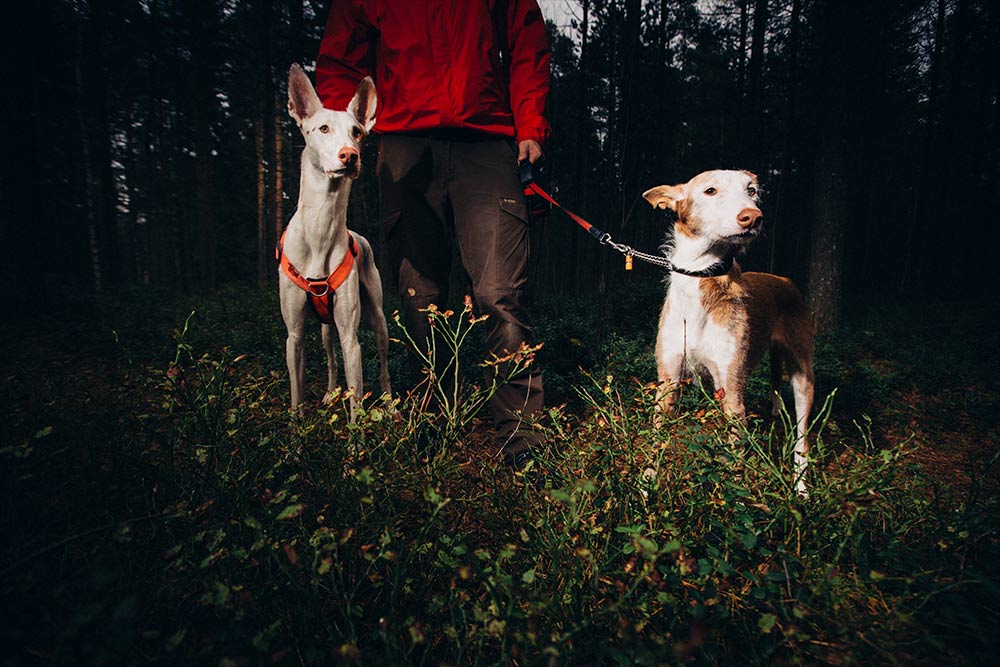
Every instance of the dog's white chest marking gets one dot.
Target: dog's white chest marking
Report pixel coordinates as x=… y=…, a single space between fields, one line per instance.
x=689 y=329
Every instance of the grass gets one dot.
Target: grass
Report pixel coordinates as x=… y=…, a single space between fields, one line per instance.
x=160 y=504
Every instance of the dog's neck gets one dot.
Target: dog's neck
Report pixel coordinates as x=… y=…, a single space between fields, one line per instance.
x=322 y=206
x=694 y=254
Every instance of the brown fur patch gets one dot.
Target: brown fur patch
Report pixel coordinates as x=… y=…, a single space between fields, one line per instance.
x=722 y=298
x=686 y=224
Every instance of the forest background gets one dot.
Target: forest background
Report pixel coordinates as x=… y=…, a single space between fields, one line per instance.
x=151 y=143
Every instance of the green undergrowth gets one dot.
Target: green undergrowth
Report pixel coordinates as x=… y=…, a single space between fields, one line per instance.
x=180 y=514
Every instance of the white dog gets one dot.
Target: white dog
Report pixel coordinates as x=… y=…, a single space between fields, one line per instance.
x=317 y=242
x=716 y=318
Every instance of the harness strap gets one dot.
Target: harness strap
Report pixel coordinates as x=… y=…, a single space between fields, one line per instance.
x=321 y=291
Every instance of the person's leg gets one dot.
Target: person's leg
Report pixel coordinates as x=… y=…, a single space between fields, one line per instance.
x=492 y=232
x=414 y=227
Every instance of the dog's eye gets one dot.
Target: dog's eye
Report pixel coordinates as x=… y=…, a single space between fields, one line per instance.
x=752 y=191
x=324 y=128
x=711 y=191
x=357 y=132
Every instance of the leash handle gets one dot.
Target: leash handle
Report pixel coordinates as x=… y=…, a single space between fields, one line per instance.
x=529 y=173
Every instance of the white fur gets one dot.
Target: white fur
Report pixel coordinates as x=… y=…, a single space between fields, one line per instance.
x=317 y=238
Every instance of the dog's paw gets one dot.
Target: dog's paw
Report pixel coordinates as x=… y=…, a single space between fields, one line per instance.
x=647 y=482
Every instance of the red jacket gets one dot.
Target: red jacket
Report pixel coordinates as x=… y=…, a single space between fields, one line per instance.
x=437 y=64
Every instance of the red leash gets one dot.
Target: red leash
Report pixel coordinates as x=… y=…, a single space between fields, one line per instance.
x=532 y=188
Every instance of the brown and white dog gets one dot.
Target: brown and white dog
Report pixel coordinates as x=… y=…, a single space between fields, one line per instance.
x=716 y=318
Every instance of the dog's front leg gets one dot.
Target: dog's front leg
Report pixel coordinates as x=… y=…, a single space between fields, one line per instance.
x=295 y=358
x=293 y=312
x=331 y=362
x=733 y=388
x=669 y=371
x=735 y=409
x=347 y=316
x=351 y=348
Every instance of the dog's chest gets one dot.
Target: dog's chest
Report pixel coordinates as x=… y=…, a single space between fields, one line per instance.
x=705 y=333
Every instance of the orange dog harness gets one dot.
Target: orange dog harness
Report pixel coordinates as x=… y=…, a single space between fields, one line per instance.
x=320 y=291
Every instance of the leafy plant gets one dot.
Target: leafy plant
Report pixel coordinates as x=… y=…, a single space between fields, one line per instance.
x=208 y=524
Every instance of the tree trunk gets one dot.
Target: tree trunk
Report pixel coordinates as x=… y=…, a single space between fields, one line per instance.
x=741 y=59
x=739 y=116
x=91 y=185
x=265 y=114
x=791 y=131
x=826 y=256
x=611 y=148
x=752 y=140
x=296 y=37
x=930 y=163
x=577 y=269
x=261 y=205
x=91 y=78
x=831 y=196
x=280 y=112
x=204 y=19
x=630 y=111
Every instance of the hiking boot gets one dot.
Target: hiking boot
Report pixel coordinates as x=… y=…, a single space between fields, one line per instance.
x=524 y=463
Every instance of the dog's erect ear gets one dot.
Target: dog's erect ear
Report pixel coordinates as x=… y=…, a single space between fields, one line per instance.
x=664 y=196
x=363 y=104
x=302 y=98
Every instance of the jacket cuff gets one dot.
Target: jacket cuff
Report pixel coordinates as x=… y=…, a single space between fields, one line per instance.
x=539 y=131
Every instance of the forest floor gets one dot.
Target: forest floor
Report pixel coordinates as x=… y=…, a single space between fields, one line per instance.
x=160 y=504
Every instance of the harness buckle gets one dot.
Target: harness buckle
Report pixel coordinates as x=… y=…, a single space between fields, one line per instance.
x=313 y=285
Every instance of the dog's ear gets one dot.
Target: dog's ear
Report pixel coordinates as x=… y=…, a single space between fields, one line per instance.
x=664 y=196
x=302 y=98
x=363 y=104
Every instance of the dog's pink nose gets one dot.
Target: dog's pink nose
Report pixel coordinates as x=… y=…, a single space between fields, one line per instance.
x=348 y=155
x=749 y=217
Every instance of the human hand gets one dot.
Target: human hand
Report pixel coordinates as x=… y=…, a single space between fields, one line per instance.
x=529 y=150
